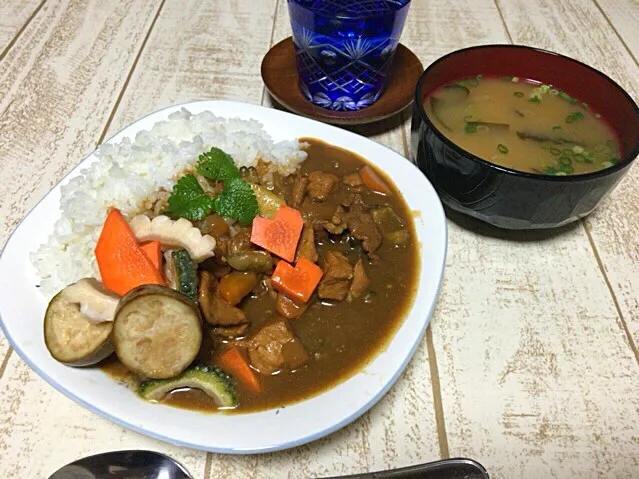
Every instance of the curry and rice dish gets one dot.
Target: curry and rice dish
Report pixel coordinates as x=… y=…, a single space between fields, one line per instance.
x=244 y=288
x=524 y=125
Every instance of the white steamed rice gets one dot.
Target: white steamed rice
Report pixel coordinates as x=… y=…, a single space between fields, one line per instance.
x=129 y=174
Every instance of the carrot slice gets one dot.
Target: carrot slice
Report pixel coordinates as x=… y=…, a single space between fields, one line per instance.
x=279 y=235
x=152 y=250
x=373 y=180
x=123 y=266
x=299 y=282
x=233 y=362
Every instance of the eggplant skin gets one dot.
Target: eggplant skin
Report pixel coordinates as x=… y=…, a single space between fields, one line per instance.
x=72 y=338
x=157 y=331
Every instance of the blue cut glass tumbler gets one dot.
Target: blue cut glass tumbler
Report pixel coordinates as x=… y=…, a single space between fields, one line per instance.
x=344 y=49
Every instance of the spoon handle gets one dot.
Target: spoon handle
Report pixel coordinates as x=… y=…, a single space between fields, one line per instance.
x=457 y=468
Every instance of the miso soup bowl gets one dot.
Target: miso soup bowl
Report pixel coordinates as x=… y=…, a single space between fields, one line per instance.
x=501 y=196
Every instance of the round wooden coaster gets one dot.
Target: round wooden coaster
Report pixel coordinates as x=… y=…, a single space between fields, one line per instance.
x=280 y=77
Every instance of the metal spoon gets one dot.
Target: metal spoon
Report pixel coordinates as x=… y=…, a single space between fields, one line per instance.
x=123 y=465
x=153 y=465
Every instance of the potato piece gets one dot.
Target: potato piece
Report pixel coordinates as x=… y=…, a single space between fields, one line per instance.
x=71 y=337
x=235 y=286
x=157 y=331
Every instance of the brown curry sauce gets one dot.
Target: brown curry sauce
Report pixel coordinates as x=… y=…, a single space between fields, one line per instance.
x=341 y=337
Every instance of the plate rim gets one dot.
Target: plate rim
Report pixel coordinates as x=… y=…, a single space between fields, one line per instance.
x=207 y=447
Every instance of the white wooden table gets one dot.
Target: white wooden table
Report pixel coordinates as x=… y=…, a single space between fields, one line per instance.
x=531 y=363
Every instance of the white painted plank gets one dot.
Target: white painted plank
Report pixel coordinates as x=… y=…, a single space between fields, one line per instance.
x=586 y=35
x=58 y=85
x=624 y=16
x=13 y=16
x=200 y=50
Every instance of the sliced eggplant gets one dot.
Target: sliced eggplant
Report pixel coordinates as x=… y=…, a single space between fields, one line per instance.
x=71 y=337
x=157 y=331
x=181 y=272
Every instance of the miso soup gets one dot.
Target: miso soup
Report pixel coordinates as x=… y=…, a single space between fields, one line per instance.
x=523 y=125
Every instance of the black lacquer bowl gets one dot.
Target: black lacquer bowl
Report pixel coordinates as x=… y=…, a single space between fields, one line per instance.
x=501 y=196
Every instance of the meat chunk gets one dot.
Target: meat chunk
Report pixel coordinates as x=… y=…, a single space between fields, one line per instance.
x=299 y=190
x=216 y=311
x=275 y=347
x=352 y=180
x=360 y=280
x=306 y=247
x=289 y=308
x=363 y=227
x=338 y=224
x=320 y=185
x=338 y=274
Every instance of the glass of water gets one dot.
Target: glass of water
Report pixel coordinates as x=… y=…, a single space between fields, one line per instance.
x=344 y=49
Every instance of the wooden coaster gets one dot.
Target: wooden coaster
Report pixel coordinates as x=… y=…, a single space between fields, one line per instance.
x=280 y=77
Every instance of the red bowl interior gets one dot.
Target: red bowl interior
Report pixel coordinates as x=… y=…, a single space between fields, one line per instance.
x=578 y=80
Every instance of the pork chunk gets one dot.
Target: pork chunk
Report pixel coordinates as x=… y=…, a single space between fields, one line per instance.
x=360 y=280
x=299 y=190
x=363 y=227
x=320 y=185
x=338 y=274
x=216 y=311
x=306 y=247
x=275 y=347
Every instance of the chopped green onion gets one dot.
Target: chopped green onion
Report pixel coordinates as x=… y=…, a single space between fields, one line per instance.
x=534 y=99
x=564 y=161
x=479 y=77
x=470 y=128
x=503 y=149
x=544 y=88
x=515 y=80
x=577 y=149
x=565 y=96
x=556 y=127
x=468 y=118
x=574 y=101
x=561 y=173
x=567 y=169
x=597 y=115
x=555 y=151
x=614 y=161
x=585 y=105
x=579 y=158
x=519 y=94
x=574 y=116
x=551 y=170
x=567 y=152
x=554 y=92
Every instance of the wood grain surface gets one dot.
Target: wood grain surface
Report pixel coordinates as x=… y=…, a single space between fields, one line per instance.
x=623 y=17
x=531 y=365
x=14 y=15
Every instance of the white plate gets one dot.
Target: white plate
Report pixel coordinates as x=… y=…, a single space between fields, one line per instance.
x=22 y=309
